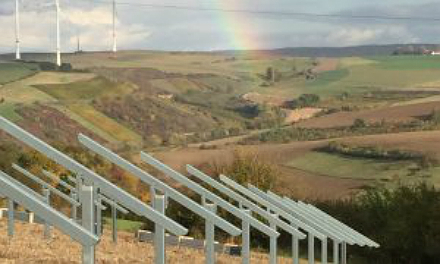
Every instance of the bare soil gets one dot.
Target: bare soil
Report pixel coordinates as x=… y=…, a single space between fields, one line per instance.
x=390 y=114
x=327 y=64
x=298 y=183
x=293 y=182
x=425 y=142
x=296 y=115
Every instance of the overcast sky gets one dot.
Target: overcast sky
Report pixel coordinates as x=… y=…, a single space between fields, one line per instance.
x=171 y=29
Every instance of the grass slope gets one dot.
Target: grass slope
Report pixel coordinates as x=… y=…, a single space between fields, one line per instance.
x=10 y=72
x=408 y=62
x=7 y=110
x=76 y=96
x=386 y=172
x=86 y=90
x=104 y=123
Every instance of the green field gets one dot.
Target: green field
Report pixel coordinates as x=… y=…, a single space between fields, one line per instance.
x=10 y=72
x=102 y=122
x=86 y=90
x=7 y=110
x=124 y=225
x=408 y=62
x=377 y=171
x=329 y=77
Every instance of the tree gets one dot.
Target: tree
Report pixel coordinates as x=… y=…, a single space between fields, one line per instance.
x=305 y=100
x=434 y=116
x=249 y=168
x=404 y=221
x=359 y=123
x=270 y=74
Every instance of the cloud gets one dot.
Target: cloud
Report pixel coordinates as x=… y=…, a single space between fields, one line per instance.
x=5 y=11
x=354 y=36
x=351 y=36
x=168 y=29
x=94 y=25
x=90 y=18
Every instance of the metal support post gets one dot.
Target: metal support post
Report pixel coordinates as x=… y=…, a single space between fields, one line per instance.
x=210 y=235
x=324 y=251
x=246 y=243
x=335 y=252
x=10 y=218
x=114 y=224
x=273 y=244
x=152 y=195
x=295 y=247
x=46 y=194
x=73 y=211
x=99 y=217
x=295 y=250
x=311 y=249
x=88 y=222
x=159 y=232
x=344 y=253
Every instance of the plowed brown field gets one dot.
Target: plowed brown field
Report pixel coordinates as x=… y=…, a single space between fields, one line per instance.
x=389 y=114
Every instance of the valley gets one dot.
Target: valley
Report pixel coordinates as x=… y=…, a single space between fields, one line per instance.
x=199 y=107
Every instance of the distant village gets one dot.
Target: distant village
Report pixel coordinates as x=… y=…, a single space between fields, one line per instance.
x=417 y=50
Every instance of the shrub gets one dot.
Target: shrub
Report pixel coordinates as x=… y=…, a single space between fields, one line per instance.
x=249 y=168
x=305 y=100
x=434 y=117
x=359 y=123
x=403 y=221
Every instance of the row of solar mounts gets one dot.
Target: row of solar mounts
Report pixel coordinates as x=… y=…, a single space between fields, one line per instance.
x=91 y=193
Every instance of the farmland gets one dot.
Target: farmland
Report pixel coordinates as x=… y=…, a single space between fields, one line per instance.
x=179 y=102
x=10 y=72
x=216 y=111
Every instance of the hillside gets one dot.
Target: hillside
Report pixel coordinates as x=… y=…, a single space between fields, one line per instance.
x=198 y=107
x=354 y=51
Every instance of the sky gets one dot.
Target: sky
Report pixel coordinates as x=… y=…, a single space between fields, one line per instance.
x=154 y=28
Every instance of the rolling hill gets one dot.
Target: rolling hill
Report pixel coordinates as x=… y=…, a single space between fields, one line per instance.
x=169 y=100
x=353 y=51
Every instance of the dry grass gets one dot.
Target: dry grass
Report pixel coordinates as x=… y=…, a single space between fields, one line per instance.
x=28 y=246
x=293 y=116
x=104 y=123
x=57 y=78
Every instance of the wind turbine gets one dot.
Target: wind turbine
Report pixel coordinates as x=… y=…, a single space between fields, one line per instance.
x=114 y=27
x=57 y=6
x=17 y=30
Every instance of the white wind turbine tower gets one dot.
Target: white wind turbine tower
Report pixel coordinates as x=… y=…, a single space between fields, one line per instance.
x=57 y=6
x=17 y=30
x=114 y=27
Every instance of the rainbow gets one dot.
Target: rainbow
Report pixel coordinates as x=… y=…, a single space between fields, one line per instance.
x=237 y=28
